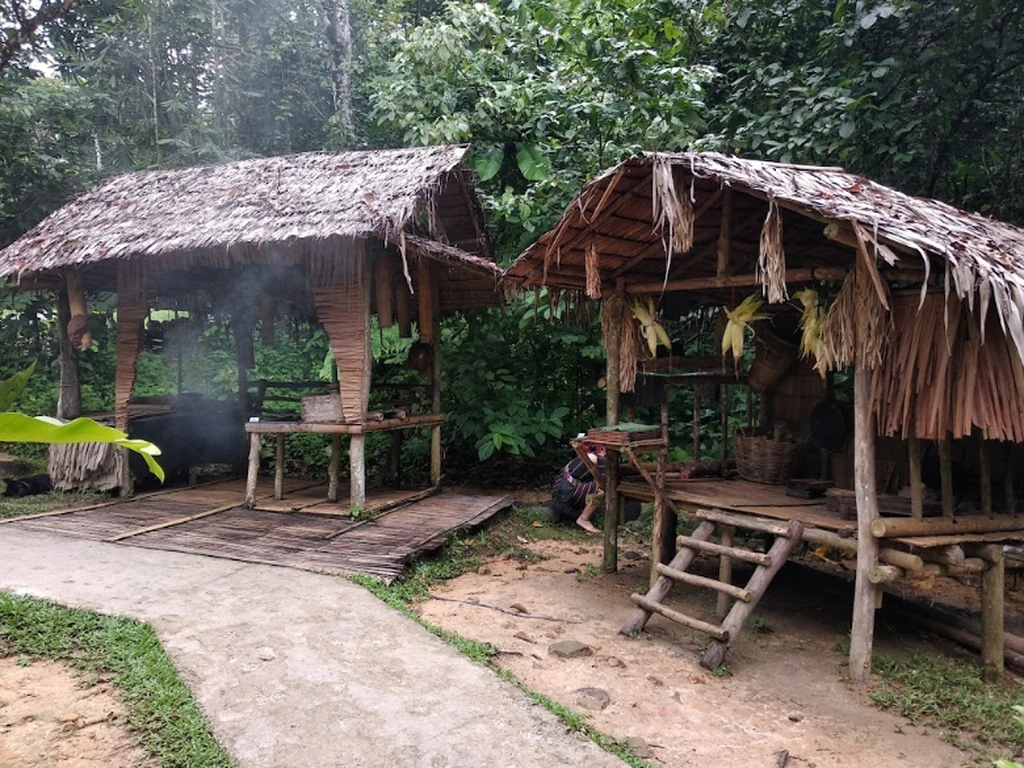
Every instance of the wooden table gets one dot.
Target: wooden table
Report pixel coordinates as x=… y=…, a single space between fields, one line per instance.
x=279 y=429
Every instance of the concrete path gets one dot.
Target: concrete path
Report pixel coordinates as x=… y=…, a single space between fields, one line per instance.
x=297 y=669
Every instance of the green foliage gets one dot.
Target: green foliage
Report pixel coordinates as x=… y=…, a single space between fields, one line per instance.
x=161 y=711
x=952 y=695
x=12 y=387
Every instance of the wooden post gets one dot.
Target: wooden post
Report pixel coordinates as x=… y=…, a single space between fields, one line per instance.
x=946 y=471
x=435 y=378
x=865 y=595
x=725 y=234
x=383 y=285
x=279 y=467
x=357 y=471
x=985 y=477
x=333 y=469
x=395 y=457
x=131 y=315
x=610 y=562
x=723 y=401
x=658 y=534
x=916 y=484
x=69 y=402
x=724 y=572
x=403 y=310
x=992 y=592
x=254 y=470
x=696 y=422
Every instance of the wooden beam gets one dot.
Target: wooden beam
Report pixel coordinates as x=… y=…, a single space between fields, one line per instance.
x=703 y=582
x=830 y=274
x=610 y=562
x=254 y=470
x=279 y=467
x=899 y=527
x=649 y=605
x=725 y=571
x=357 y=471
x=334 y=469
x=897 y=557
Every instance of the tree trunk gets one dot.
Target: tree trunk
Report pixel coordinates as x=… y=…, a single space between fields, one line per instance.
x=339 y=38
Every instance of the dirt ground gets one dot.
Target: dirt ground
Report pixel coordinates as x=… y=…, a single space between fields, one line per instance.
x=49 y=720
x=786 y=690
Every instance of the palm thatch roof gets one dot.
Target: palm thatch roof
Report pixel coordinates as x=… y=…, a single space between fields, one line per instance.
x=656 y=218
x=701 y=225
x=264 y=211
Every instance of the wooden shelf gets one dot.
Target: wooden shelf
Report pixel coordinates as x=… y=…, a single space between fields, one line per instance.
x=339 y=428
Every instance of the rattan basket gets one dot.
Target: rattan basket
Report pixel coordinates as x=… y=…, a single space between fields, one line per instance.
x=762 y=459
x=774 y=357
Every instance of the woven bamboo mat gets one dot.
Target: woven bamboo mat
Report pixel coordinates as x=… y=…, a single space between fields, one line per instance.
x=312 y=541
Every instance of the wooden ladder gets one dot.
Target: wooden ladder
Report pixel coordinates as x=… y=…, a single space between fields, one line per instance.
x=746 y=598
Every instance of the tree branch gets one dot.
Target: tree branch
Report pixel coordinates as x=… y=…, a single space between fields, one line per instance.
x=29 y=25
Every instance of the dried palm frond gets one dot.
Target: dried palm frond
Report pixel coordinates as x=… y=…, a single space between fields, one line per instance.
x=630 y=351
x=672 y=212
x=838 y=336
x=771 y=260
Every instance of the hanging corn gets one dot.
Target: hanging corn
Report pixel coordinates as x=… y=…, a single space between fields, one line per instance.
x=652 y=331
x=740 y=318
x=811 y=319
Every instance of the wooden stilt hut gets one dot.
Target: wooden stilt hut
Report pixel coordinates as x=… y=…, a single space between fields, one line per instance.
x=924 y=302
x=333 y=237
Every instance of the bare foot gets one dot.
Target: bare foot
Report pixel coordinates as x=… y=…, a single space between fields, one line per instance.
x=586 y=525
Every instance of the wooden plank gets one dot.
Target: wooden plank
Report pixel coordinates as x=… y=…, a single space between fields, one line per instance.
x=700 y=581
x=409 y=422
x=748 y=522
x=680 y=618
x=738 y=553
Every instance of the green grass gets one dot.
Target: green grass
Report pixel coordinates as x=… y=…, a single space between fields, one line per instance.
x=46 y=502
x=161 y=712
x=951 y=695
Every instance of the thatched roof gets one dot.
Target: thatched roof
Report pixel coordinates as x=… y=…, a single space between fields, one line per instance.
x=262 y=211
x=700 y=226
x=626 y=215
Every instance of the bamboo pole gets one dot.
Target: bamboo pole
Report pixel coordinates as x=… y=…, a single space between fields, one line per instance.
x=946 y=471
x=830 y=274
x=899 y=527
x=916 y=484
x=610 y=563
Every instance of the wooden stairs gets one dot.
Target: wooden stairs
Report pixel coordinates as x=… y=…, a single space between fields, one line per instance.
x=787 y=536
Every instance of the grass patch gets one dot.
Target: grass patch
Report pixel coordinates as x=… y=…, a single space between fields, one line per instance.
x=951 y=695
x=46 y=502
x=161 y=712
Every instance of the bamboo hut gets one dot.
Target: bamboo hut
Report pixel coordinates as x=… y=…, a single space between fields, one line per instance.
x=924 y=302
x=331 y=237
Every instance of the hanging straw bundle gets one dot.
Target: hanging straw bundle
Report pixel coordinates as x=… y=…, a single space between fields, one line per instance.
x=630 y=346
x=874 y=320
x=837 y=336
x=673 y=213
x=771 y=261
x=592 y=262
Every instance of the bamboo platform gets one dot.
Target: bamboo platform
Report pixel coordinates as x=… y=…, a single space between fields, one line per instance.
x=208 y=520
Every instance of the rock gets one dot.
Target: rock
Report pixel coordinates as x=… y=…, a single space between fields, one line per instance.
x=524 y=637
x=12 y=466
x=518 y=608
x=614 y=662
x=592 y=698
x=570 y=649
x=70 y=717
x=796 y=717
x=266 y=653
x=572 y=570
x=483 y=570
x=639 y=747
x=631 y=555
x=656 y=681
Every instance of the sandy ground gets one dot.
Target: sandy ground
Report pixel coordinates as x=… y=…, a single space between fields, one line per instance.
x=786 y=690
x=49 y=720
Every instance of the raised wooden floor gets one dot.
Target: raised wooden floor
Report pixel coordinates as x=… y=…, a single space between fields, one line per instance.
x=210 y=520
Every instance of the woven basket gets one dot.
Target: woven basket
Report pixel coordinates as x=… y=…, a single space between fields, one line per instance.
x=763 y=460
x=774 y=357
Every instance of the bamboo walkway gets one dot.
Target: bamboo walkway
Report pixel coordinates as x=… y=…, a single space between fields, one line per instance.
x=210 y=520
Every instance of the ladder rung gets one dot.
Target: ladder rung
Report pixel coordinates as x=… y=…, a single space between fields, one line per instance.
x=681 y=618
x=762 y=524
x=699 y=581
x=737 y=553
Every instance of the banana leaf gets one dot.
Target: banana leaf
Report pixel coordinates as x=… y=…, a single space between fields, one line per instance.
x=19 y=428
